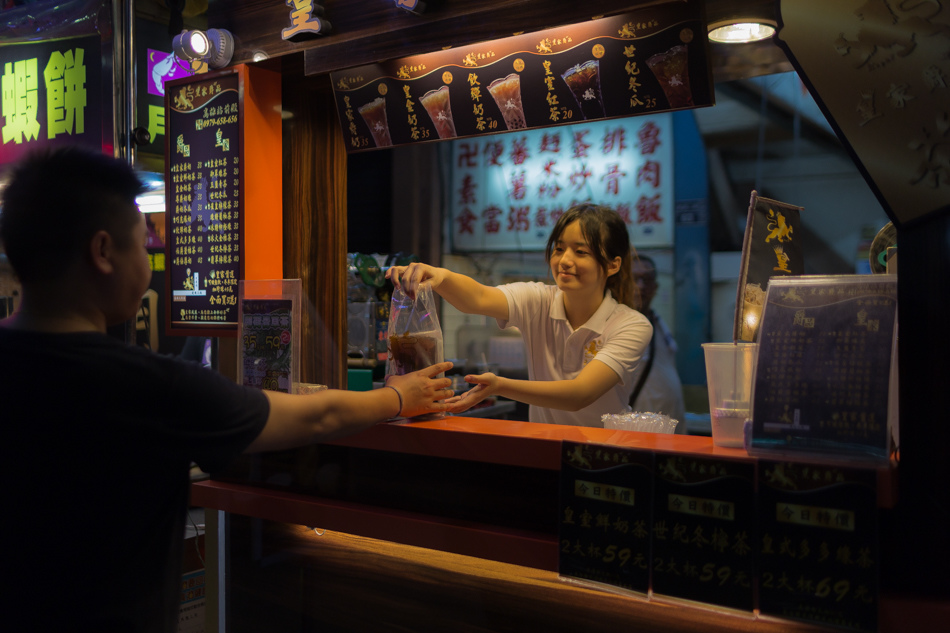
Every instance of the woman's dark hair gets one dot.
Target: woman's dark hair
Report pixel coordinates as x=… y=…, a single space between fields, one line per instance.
x=606 y=233
x=55 y=202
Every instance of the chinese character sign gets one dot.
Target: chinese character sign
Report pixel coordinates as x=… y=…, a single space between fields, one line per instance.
x=51 y=95
x=509 y=190
x=204 y=199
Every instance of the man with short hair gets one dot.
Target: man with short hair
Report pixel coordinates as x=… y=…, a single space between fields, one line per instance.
x=99 y=436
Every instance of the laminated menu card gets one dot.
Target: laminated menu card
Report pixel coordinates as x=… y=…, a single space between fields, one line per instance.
x=605 y=512
x=826 y=381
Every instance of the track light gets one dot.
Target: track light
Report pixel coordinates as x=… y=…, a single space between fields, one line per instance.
x=214 y=47
x=741 y=31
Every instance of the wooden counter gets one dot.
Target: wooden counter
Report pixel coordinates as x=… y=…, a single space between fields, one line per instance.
x=428 y=549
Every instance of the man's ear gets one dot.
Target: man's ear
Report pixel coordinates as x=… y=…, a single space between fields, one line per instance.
x=613 y=267
x=101 y=251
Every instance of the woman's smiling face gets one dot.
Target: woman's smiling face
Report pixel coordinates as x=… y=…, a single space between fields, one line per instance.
x=573 y=265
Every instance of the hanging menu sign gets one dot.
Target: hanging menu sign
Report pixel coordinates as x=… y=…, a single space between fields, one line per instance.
x=703 y=541
x=606 y=501
x=204 y=201
x=648 y=61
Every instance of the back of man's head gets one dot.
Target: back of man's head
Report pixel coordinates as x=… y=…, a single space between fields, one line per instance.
x=54 y=203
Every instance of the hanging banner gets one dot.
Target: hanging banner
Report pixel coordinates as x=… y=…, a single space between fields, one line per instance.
x=51 y=96
x=508 y=191
x=648 y=61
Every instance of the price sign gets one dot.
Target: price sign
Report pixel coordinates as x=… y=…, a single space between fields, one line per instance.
x=703 y=537
x=606 y=496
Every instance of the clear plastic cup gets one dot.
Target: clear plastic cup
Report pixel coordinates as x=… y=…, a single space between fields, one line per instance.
x=730 y=368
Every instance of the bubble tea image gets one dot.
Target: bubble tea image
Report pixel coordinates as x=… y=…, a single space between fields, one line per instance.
x=436 y=103
x=374 y=113
x=672 y=71
x=507 y=95
x=584 y=82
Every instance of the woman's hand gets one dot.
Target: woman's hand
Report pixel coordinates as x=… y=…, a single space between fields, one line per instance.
x=486 y=385
x=409 y=278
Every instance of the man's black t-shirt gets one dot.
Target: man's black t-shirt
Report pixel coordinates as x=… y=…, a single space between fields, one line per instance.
x=97 y=442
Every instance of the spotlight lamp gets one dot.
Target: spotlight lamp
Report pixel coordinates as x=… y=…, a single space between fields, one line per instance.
x=214 y=47
x=741 y=31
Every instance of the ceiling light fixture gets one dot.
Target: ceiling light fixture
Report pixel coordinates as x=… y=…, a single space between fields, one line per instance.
x=740 y=32
x=214 y=47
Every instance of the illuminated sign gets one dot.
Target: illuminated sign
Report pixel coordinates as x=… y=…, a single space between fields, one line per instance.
x=509 y=190
x=50 y=95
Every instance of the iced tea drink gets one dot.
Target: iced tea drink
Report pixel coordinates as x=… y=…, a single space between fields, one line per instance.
x=507 y=95
x=584 y=82
x=412 y=352
x=374 y=113
x=672 y=71
x=436 y=103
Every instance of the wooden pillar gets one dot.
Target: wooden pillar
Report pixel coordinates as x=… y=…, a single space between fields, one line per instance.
x=315 y=224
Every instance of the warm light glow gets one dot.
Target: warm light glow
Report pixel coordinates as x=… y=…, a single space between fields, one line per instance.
x=199 y=43
x=741 y=33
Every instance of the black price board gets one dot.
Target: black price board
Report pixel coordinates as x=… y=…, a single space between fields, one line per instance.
x=825 y=366
x=204 y=193
x=704 y=530
x=818 y=554
x=605 y=505
x=649 y=61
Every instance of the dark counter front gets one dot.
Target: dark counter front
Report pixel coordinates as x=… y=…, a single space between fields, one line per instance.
x=474 y=501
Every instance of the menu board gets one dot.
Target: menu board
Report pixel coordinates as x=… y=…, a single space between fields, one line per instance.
x=648 y=61
x=824 y=375
x=819 y=556
x=703 y=537
x=606 y=501
x=204 y=193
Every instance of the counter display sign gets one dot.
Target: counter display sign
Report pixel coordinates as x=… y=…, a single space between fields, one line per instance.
x=269 y=334
x=606 y=500
x=703 y=534
x=819 y=555
x=204 y=200
x=648 y=61
x=825 y=380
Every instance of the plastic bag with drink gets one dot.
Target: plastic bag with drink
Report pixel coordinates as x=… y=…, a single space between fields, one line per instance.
x=415 y=335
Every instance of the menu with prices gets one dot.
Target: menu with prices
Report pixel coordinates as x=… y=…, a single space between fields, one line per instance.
x=819 y=555
x=648 y=61
x=606 y=500
x=269 y=334
x=703 y=535
x=825 y=372
x=204 y=193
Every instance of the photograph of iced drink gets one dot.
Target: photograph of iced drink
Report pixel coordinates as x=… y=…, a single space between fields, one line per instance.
x=436 y=103
x=671 y=70
x=374 y=113
x=507 y=95
x=584 y=82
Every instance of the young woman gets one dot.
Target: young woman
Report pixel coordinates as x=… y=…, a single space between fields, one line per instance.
x=582 y=335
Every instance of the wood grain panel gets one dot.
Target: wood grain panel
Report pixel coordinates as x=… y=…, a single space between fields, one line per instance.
x=315 y=225
x=339 y=582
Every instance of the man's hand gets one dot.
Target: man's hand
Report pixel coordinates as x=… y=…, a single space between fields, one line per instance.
x=421 y=392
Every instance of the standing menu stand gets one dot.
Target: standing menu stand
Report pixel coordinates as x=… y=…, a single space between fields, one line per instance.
x=825 y=380
x=269 y=334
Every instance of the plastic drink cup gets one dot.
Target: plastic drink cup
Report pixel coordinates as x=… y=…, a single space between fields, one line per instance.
x=439 y=109
x=730 y=369
x=672 y=71
x=584 y=82
x=374 y=113
x=507 y=95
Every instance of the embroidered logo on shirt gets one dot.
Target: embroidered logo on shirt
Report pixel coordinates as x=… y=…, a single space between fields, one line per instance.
x=591 y=350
